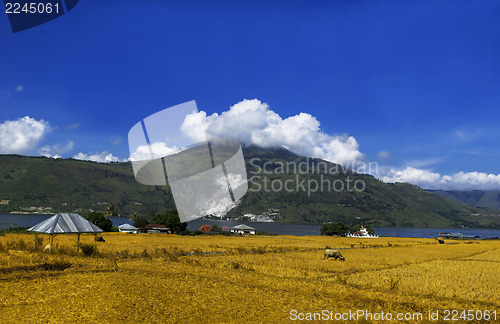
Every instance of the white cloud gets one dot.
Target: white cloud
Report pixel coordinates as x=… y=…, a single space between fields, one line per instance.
x=431 y=180
x=252 y=122
x=160 y=149
x=103 y=157
x=472 y=180
x=422 y=178
x=467 y=135
x=384 y=156
x=22 y=135
x=73 y=126
x=115 y=140
x=19 y=88
x=56 y=151
x=425 y=162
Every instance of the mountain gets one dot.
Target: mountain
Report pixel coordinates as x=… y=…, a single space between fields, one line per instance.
x=475 y=198
x=54 y=185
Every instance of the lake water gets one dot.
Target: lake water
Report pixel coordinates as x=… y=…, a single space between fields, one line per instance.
x=15 y=220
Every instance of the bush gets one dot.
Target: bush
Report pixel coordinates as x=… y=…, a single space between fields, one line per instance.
x=64 y=249
x=21 y=245
x=236 y=265
x=140 y=222
x=265 y=233
x=197 y=252
x=171 y=220
x=205 y=228
x=259 y=249
x=16 y=230
x=173 y=254
x=58 y=265
x=216 y=228
x=356 y=228
x=88 y=249
x=145 y=254
x=100 y=221
x=186 y=232
x=333 y=229
x=38 y=242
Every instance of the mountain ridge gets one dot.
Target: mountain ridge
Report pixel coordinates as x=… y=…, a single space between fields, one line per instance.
x=73 y=185
x=474 y=198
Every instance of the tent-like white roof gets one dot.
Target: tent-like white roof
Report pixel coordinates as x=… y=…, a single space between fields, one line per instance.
x=242 y=227
x=127 y=227
x=65 y=223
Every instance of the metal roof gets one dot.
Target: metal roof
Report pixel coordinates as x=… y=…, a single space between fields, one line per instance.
x=127 y=226
x=153 y=226
x=65 y=223
x=243 y=227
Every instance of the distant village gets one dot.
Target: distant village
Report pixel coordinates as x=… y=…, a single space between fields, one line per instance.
x=270 y=216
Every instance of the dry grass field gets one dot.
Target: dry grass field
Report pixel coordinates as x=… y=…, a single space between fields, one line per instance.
x=149 y=278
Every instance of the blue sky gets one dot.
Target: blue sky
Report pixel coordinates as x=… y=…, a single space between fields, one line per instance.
x=416 y=84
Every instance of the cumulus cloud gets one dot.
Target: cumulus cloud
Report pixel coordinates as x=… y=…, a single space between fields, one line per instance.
x=103 y=157
x=431 y=180
x=160 y=149
x=22 y=135
x=253 y=122
x=422 y=178
x=56 y=151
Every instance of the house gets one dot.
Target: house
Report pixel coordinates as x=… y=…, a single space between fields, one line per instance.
x=154 y=229
x=127 y=228
x=242 y=229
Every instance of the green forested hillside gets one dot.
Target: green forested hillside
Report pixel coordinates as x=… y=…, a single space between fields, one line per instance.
x=475 y=198
x=73 y=185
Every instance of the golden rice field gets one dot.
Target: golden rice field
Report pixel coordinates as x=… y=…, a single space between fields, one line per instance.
x=148 y=278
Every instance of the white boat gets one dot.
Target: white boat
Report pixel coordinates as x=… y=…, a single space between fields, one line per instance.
x=362 y=233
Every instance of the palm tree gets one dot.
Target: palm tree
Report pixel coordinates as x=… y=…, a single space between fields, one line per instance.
x=134 y=216
x=111 y=211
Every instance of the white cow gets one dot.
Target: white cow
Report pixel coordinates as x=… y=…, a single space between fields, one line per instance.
x=331 y=253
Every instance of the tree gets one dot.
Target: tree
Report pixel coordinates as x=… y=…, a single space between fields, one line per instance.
x=100 y=221
x=356 y=228
x=333 y=229
x=151 y=213
x=171 y=220
x=134 y=216
x=205 y=228
x=140 y=222
x=370 y=230
x=111 y=211
x=216 y=228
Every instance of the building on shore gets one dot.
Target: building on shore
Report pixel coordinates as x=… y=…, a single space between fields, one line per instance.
x=154 y=229
x=243 y=229
x=362 y=233
x=127 y=228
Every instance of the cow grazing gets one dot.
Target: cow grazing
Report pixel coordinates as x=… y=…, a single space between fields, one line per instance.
x=330 y=253
x=100 y=239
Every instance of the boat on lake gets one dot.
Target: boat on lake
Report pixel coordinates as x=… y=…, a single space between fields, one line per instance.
x=362 y=233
